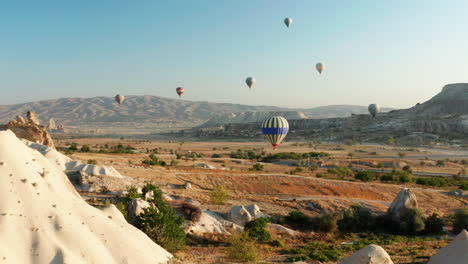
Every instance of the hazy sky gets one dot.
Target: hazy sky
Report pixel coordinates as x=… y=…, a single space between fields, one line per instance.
x=395 y=53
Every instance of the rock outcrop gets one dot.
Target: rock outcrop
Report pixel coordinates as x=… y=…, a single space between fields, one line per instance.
x=136 y=207
x=454 y=253
x=240 y=215
x=52 y=125
x=44 y=220
x=372 y=254
x=404 y=200
x=30 y=129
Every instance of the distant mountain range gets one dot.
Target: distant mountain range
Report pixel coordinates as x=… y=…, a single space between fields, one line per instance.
x=149 y=112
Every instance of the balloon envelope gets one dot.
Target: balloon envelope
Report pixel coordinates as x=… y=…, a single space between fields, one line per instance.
x=320 y=67
x=180 y=91
x=374 y=109
x=275 y=130
x=288 y=21
x=119 y=99
x=250 y=81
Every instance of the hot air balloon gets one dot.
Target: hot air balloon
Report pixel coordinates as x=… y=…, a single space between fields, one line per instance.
x=320 y=67
x=275 y=130
x=288 y=21
x=180 y=91
x=373 y=109
x=250 y=81
x=119 y=99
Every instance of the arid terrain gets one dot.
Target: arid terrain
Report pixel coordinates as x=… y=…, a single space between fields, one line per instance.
x=279 y=189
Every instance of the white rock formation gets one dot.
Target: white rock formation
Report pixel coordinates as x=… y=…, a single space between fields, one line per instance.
x=240 y=215
x=67 y=164
x=44 y=220
x=404 y=200
x=212 y=222
x=372 y=254
x=136 y=206
x=454 y=253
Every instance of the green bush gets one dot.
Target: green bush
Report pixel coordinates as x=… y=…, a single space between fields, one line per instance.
x=215 y=156
x=162 y=224
x=132 y=193
x=242 y=248
x=73 y=147
x=219 y=195
x=434 y=225
x=257 y=167
x=411 y=222
x=460 y=220
x=256 y=229
x=297 y=219
x=328 y=223
x=357 y=219
x=364 y=176
x=85 y=148
x=163 y=227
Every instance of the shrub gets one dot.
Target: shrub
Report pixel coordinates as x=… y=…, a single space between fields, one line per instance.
x=460 y=220
x=154 y=161
x=297 y=219
x=256 y=229
x=85 y=148
x=219 y=195
x=242 y=248
x=73 y=147
x=132 y=193
x=434 y=225
x=162 y=225
x=328 y=223
x=357 y=219
x=440 y=163
x=404 y=177
x=278 y=243
x=215 y=156
x=401 y=155
x=463 y=186
x=411 y=222
x=92 y=162
x=257 y=167
x=386 y=177
x=407 y=168
x=364 y=176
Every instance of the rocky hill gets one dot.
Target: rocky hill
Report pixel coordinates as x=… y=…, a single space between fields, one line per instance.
x=452 y=100
x=151 y=112
x=444 y=118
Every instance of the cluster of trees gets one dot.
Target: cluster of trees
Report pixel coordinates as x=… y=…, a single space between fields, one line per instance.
x=361 y=219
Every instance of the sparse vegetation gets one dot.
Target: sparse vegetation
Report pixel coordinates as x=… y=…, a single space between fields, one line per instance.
x=154 y=161
x=242 y=248
x=219 y=195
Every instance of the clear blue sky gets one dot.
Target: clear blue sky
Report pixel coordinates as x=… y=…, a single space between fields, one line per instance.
x=395 y=53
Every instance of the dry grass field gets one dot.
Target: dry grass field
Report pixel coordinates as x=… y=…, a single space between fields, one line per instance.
x=276 y=190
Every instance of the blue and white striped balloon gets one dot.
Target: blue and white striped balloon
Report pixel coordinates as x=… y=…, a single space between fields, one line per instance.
x=275 y=129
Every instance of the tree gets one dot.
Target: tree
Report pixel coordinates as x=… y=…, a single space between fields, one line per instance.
x=85 y=148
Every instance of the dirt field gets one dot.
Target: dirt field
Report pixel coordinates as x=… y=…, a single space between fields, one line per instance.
x=275 y=189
